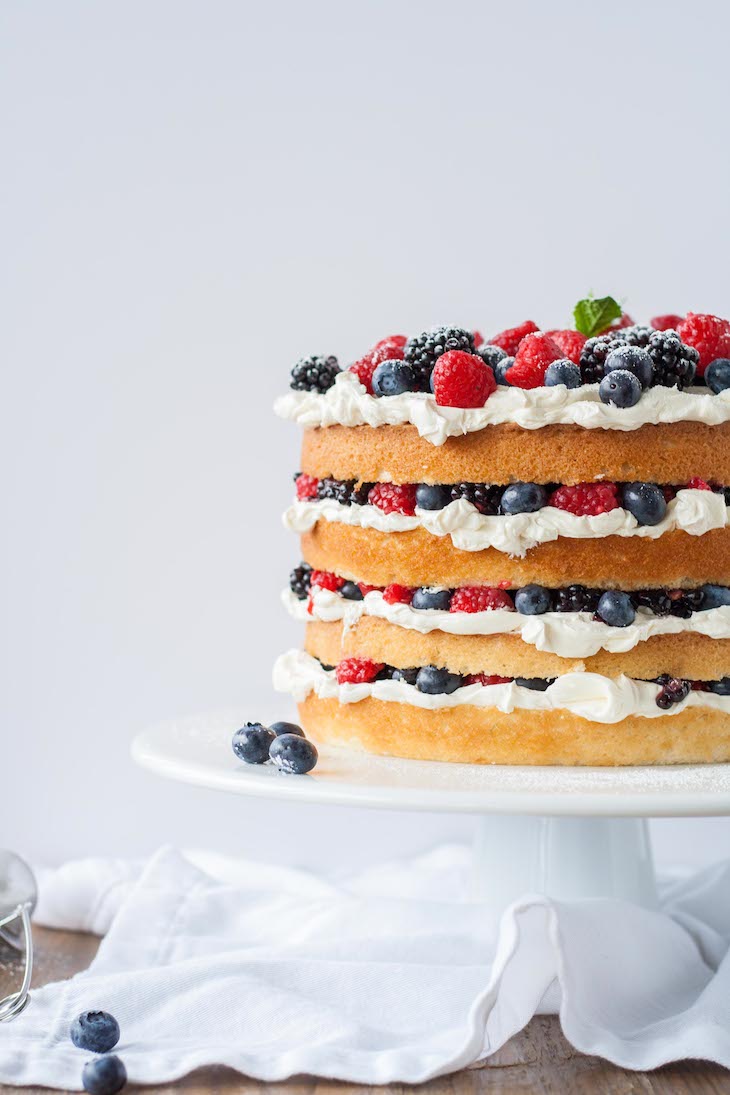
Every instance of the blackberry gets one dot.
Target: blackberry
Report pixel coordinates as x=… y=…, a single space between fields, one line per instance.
x=407 y=675
x=300 y=580
x=314 y=374
x=339 y=490
x=635 y=336
x=483 y=496
x=685 y=601
x=675 y=364
x=359 y=493
x=577 y=599
x=422 y=350
x=673 y=690
x=593 y=355
x=657 y=601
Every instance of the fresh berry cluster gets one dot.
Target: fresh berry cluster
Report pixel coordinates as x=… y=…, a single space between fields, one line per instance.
x=647 y=502
x=283 y=743
x=606 y=347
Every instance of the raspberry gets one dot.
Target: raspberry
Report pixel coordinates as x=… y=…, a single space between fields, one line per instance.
x=510 y=339
x=394 y=497
x=388 y=349
x=666 y=323
x=357 y=671
x=617 y=325
x=586 y=499
x=306 y=486
x=391 y=342
x=698 y=484
x=478 y=337
x=669 y=492
x=710 y=336
x=324 y=579
x=462 y=380
x=398 y=595
x=485 y=678
x=314 y=374
x=531 y=360
x=480 y=599
x=570 y=342
x=365 y=589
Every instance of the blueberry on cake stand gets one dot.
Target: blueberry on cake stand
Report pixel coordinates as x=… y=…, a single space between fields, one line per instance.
x=567 y=832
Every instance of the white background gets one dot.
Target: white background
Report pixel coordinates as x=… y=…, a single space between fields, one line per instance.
x=193 y=195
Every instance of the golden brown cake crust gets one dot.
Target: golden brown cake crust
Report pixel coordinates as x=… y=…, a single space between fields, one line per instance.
x=416 y=557
x=694 y=657
x=505 y=453
x=476 y=735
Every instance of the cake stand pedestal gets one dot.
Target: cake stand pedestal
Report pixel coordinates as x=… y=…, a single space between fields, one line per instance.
x=570 y=833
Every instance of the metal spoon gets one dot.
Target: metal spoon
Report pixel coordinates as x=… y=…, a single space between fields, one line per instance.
x=18 y=896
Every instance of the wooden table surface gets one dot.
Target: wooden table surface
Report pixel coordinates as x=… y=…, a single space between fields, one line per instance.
x=538 y=1061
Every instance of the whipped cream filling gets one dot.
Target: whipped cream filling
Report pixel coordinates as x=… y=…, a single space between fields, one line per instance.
x=588 y=695
x=568 y=634
x=347 y=403
x=693 y=511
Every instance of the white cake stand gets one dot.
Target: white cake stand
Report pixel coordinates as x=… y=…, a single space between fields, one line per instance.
x=566 y=832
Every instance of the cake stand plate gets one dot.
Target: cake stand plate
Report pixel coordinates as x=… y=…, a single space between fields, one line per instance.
x=568 y=832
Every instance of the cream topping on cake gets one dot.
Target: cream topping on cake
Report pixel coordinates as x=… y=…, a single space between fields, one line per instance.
x=567 y=634
x=692 y=511
x=347 y=403
x=587 y=695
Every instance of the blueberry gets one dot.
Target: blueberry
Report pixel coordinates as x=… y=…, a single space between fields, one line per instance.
x=293 y=754
x=409 y=676
x=721 y=687
x=427 y=597
x=621 y=388
x=393 y=378
x=501 y=368
x=537 y=684
x=432 y=497
x=280 y=728
x=717 y=375
x=714 y=597
x=351 y=591
x=645 y=501
x=104 y=1075
x=251 y=743
x=632 y=359
x=491 y=355
x=615 y=608
x=437 y=682
x=523 y=498
x=97 y=1031
x=563 y=372
x=532 y=600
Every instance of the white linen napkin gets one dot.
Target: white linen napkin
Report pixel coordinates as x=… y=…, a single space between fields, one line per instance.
x=391 y=975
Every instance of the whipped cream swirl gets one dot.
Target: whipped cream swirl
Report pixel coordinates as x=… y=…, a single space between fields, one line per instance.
x=347 y=403
x=587 y=695
x=693 y=511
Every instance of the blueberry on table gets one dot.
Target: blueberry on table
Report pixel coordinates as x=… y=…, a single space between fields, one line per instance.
x=437 y=682
x=293 y=754
x=645 y=501
x=104 y=1075
x=280 y=728
x=615 y=608
x=252 y=742
x=96 y=1031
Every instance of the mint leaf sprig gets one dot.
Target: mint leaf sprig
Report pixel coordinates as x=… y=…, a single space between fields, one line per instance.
x=594 y=314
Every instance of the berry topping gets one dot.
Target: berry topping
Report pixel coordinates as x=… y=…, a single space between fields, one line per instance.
x=535 y=684
x=357 y=671
x=633 y=359
x=586 y=499
x=593 y=357
x=532 y=600
x=324 y=579
x=480 y=599
x=393 y=378
x=570 y=342
x=714 y=597
x=502 y=368
x=645 y=501
x=422 y=352
x=510 y=339
x=563 y=372
x=365 y=588
x=437 y=682
x=620 y=388
x=523 y=498
x=486 y=679
x=390 y=346
x=491 y=355
x=615 y=608
x=397 y=595
x=251 y=743
x=666 y=323
x=483 y=497
x=335 y=490
x=673 y=690
x=717 y=375
x=280 y=728
x=314 y=374
x=96 y=1031
x=535 y=353
x=351 y=591
x=359 y=494
x=104 y=1075
x=394 y=497
x=385 y=350
x=675 y=363
x=306 y=486
x=709 y=335
x=293 y=754
x=300 y=580
x=408 y=676
x=432 y=497
x=461 y=379
x=577 y=598
x=634 y=336
x=432 y=597
x=698 y=484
